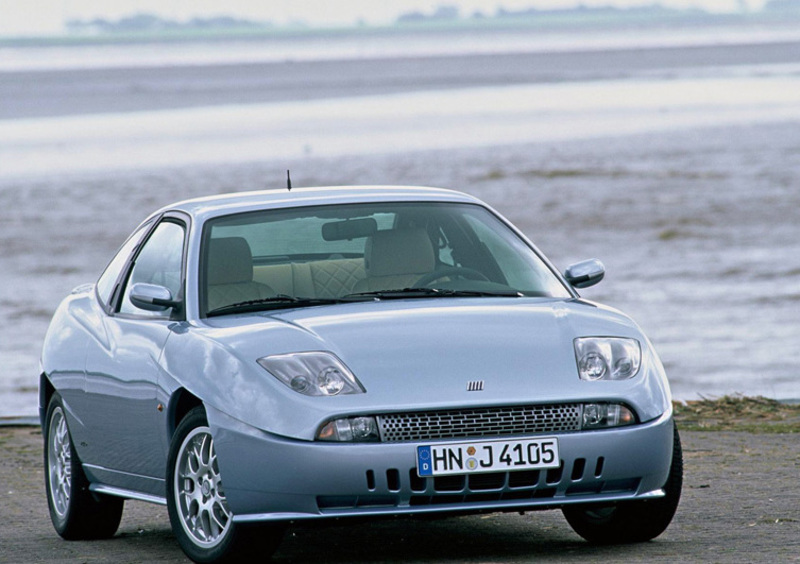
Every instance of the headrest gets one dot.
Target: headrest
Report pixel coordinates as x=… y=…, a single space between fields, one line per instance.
x=230 y=261
x=399 y=251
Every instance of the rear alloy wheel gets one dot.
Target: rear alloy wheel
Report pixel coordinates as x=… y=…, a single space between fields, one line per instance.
x=198 y=509
x=76 y=512
x=632 y=521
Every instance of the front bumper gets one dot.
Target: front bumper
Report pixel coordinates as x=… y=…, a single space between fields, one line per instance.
x=269 y=478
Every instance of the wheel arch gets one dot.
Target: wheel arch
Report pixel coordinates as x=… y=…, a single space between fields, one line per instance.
x=180 y=404
x=46 y=391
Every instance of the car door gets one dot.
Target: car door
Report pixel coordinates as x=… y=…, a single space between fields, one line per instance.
x=122 y=369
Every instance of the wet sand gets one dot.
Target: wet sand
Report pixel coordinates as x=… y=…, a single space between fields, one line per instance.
x=698 y=231
x=698 y=227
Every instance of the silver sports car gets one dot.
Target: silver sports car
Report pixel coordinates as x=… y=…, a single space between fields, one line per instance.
x=256 y=359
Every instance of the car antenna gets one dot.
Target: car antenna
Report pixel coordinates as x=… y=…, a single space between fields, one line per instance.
x=288 y=181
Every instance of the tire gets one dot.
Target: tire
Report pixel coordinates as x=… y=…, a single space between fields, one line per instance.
x=198 y=509
x=634 y=521
x=76 y=512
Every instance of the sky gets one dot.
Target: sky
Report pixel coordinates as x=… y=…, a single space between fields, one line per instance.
x=32 y=17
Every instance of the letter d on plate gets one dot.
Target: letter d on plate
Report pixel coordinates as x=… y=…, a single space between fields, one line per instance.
x=424 y=463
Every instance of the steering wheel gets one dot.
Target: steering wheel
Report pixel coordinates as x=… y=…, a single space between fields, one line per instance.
x=461 y=271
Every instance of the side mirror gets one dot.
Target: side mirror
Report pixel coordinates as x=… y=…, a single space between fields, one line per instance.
x=151 y=297
x=585 y=273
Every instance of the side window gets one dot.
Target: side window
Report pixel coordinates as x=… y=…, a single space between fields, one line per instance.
x=159 y=262
x=108 y=280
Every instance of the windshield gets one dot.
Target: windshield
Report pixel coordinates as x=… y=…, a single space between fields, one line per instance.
x=327 y=253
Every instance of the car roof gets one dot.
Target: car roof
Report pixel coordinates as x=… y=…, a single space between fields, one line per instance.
x=225 y=204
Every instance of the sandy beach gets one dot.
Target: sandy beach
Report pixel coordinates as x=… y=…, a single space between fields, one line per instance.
x=694 y=218
x=25 y=94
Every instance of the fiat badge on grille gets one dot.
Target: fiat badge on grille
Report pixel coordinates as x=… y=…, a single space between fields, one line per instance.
x=475 y=386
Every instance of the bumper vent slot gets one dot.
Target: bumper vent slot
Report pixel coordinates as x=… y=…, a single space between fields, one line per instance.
x=581 y=477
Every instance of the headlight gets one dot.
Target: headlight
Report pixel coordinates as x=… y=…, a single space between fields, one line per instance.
x=350 y=429
x=312 y=373
x=607 y=358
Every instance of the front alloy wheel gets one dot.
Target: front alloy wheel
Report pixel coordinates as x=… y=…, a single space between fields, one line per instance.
x=631 y=521
x=198 y=509
x=200 y=499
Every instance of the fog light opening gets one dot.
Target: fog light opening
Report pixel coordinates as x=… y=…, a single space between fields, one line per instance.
x=605 y=415
x=350 y=429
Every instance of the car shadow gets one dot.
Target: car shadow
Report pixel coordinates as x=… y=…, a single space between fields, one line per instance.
x=477 y=538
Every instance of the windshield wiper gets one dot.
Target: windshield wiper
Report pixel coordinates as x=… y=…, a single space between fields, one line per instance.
x=282 y=301
x=402 y=293
x=273 y=302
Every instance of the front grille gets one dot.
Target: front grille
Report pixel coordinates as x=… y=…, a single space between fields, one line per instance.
x=479 y=422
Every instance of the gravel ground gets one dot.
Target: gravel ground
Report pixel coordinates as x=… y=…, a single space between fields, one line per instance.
x=741 y=503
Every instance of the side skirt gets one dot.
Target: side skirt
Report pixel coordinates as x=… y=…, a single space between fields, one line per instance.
x=124 y=484
x=127 y=494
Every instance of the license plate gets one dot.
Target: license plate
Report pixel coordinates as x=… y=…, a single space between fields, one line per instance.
x=487 y=456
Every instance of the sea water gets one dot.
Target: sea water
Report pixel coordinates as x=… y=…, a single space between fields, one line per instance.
x=712 y=276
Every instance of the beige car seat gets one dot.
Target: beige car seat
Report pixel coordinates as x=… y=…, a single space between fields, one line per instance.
x=230 y=273
x=396 y=259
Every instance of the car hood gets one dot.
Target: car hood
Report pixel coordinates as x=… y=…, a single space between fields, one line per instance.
x=426 y=353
